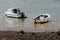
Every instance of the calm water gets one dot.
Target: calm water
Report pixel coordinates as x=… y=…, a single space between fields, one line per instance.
x=32 y=8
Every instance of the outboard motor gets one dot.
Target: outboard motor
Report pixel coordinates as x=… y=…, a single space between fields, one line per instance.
x=22 y=14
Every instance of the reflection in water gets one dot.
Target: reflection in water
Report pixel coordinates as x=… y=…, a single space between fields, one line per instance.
x=14 y=24
x=22 y=20
x=14 y=20
x=40 y=27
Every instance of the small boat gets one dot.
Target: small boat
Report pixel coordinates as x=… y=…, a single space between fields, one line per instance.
x=15 y=12
x=42 y=18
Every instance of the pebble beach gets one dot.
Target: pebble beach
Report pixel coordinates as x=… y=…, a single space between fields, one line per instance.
x=10 y=35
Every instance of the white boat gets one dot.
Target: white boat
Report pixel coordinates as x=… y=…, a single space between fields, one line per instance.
x=15 y=12
x=42 y=18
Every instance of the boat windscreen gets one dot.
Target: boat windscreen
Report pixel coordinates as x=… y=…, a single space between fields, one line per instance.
x=41 y=15
x=45 y=16
x=14 y=10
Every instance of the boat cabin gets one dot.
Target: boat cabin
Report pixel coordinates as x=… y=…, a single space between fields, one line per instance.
x=16 y=10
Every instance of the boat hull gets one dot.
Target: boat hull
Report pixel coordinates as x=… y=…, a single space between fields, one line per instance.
x=13 y=15
x=42 y=19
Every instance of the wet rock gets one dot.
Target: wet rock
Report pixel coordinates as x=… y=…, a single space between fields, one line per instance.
x=58 y=33
x=52 y=32
x=22 y=32
x=33 y=33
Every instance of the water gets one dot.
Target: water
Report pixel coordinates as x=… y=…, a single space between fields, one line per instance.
x=33 y=9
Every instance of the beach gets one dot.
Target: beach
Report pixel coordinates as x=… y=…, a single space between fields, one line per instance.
x=10 y=35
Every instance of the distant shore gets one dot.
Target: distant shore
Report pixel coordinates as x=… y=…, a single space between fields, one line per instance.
x=11 y=35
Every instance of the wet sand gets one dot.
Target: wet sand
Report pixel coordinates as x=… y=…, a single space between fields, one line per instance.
x=11 y=35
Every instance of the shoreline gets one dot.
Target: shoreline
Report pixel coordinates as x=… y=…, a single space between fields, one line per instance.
x=12 y=35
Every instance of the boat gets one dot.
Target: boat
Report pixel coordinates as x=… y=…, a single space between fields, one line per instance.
x=15 y=12
x=42 y=18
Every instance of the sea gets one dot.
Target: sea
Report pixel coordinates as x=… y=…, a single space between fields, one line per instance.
x=33 y=8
